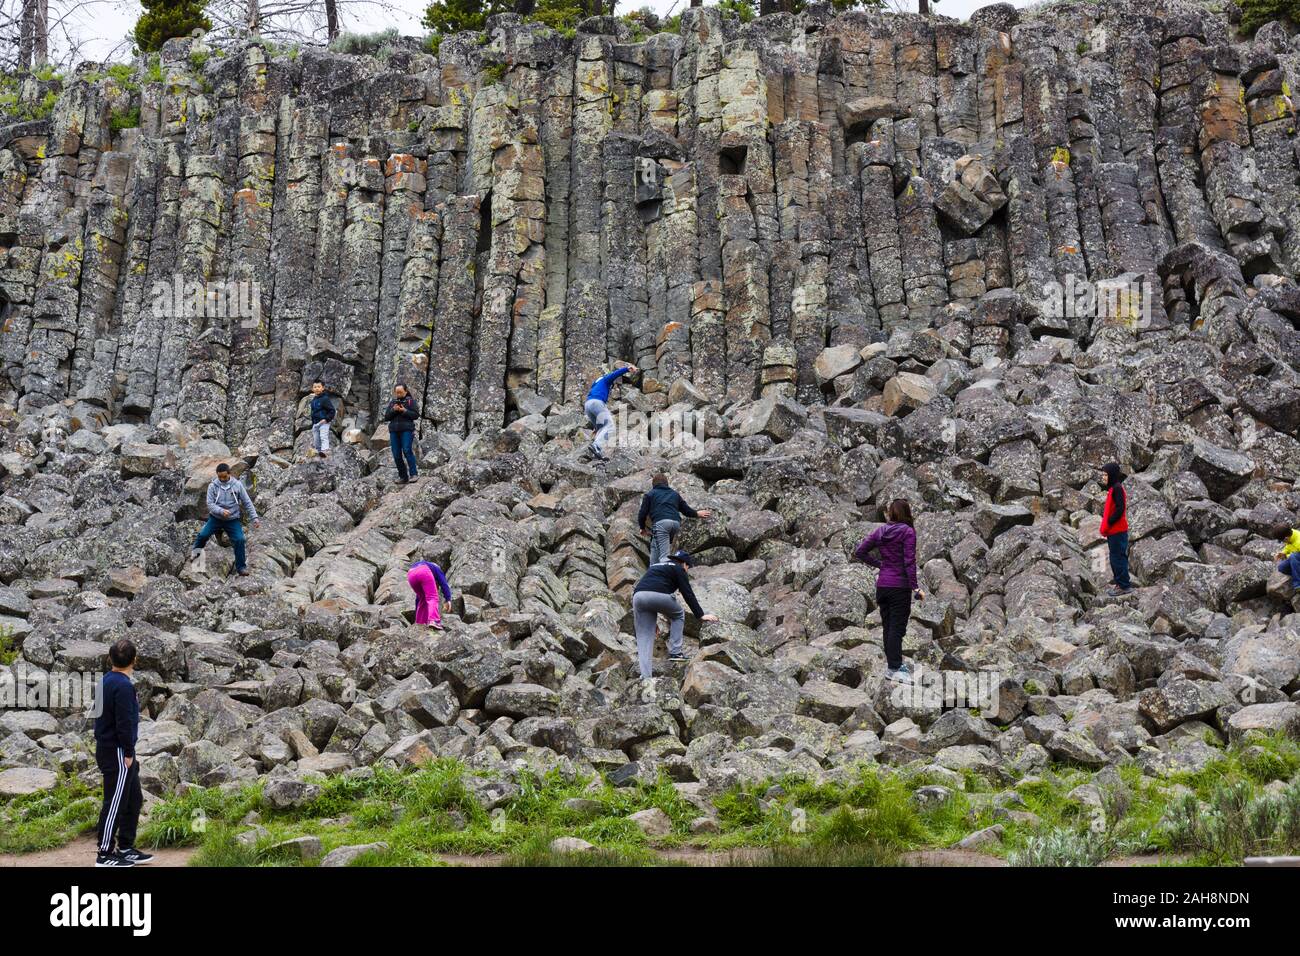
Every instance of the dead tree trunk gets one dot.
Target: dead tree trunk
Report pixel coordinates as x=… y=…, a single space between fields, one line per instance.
x=34 y=34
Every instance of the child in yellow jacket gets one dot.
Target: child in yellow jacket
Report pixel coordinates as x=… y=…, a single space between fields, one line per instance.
x=1289 y=556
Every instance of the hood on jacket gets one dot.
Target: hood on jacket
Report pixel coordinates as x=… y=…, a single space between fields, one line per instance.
x=1113 y=474
x=895 y=531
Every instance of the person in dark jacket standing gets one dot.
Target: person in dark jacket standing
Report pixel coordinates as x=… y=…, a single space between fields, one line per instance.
x=116 y=729
x=322 y=415
x=1114 y=528
x=652 y=596
x=895 y=542
x=663 y=509
x=401 y=414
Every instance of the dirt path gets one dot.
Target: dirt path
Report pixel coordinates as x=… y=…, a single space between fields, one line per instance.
x=81 y=852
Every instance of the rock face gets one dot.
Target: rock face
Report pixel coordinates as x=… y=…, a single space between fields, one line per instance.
x=859 y=257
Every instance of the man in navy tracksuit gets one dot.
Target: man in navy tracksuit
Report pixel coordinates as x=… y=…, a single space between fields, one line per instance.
x=116 y=729
x=663 y=508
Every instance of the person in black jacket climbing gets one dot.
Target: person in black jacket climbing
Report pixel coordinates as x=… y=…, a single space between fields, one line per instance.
x=663 y=508
x=402 y=413
x=652 y=596
x=117 y=724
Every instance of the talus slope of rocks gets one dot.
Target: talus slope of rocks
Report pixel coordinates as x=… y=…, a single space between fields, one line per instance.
x=831 y=242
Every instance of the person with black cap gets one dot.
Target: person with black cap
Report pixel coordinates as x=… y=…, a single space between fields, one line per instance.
x=652 y=596
x=1114 y=528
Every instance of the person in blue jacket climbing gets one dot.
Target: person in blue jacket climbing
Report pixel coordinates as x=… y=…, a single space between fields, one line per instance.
x=597 y=408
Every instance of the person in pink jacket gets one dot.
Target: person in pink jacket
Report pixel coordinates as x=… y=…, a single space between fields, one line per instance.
x=895 y=542
x=426 y=580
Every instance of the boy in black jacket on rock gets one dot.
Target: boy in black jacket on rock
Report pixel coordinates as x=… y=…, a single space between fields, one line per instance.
x=322 y=415
x=116 y=728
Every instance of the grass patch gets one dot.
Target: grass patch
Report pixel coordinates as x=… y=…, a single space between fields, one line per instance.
x=42 y=821
x=1231 y=808
x=125 y=119
x=8 y=646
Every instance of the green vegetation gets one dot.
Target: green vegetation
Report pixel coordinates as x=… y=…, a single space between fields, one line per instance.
x=8 y=646
x=124 y=119
x=10 y=89
x=452 y=16
x=746 y=10
x=377 y=43
x=493 y=73
x=164 y=19
x=1256 y=13
x=1245 y=802
x=41 y=821
x=120 y=73
x=743 y=10
x=445 y=17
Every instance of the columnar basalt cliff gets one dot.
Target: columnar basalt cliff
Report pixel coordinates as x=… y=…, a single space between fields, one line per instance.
x=858 y=257
x=718 y=206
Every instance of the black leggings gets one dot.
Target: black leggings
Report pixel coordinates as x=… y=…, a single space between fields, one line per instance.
x=895 y=608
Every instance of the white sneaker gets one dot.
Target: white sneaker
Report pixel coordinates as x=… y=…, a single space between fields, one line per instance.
x=902 y=675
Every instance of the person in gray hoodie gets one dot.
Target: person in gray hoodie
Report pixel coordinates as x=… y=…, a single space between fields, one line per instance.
x=227 y=502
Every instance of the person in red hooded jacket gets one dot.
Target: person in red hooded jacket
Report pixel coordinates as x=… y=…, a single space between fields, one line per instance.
x=1114 y=528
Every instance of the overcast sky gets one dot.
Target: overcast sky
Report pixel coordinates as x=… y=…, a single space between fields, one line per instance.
x=103 y=24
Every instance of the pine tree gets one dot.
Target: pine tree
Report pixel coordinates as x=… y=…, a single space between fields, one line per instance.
x=1256 y=13
x=164 y=19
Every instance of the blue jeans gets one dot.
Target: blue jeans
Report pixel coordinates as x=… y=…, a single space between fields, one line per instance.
x=1291 y=565
x=402 y=444
x=233 y=528
x=1118 y=544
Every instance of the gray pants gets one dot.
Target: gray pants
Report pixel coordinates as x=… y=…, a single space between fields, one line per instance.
x=320 y=436
x=600 y=418
x=662 y=534
x=646 y=608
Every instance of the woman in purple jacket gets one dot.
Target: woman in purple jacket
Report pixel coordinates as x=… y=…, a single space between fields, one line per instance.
x=895 y=542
